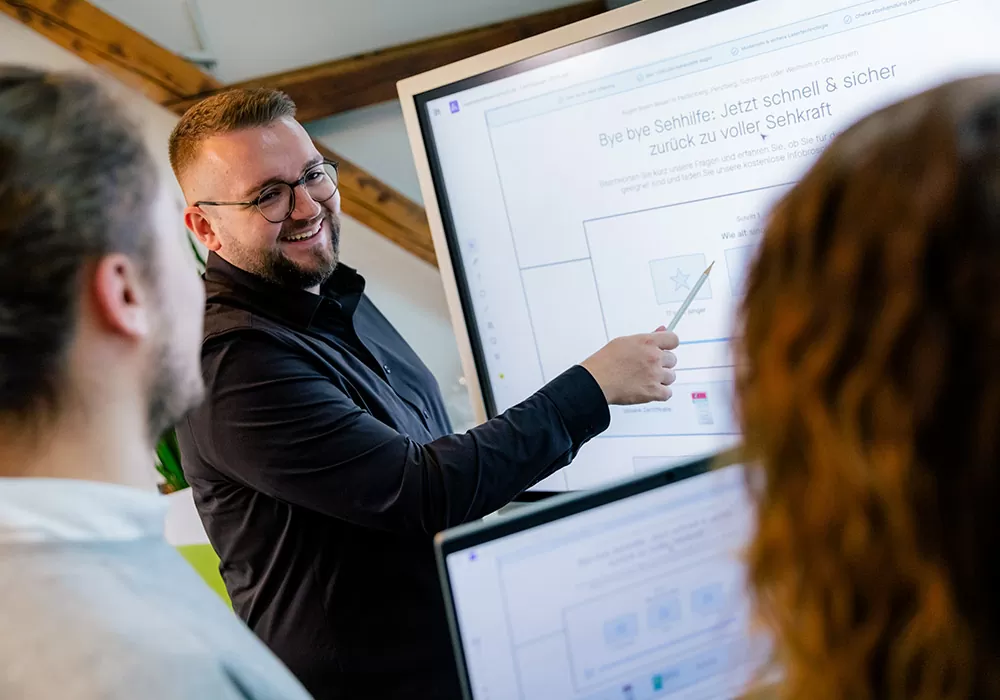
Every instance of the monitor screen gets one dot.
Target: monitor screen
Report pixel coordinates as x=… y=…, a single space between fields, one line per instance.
x=584 y=190
x=642 y=597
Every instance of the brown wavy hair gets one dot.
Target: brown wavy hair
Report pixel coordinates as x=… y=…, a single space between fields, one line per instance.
x=869 y=394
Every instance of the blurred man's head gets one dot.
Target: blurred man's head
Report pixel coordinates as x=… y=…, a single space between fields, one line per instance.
x=100 y=304
x=235 y=155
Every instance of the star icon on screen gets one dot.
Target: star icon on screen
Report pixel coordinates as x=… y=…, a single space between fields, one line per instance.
x=681 y=280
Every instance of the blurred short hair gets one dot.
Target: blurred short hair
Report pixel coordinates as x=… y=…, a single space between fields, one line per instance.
x=76 y=183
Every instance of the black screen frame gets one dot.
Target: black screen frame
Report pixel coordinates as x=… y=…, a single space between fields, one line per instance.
x=556 y=508
x=700 y=10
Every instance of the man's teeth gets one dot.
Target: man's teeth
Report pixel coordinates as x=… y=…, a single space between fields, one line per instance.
x=302 y=236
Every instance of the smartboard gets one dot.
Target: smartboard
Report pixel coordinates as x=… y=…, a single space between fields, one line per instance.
x=577 y=183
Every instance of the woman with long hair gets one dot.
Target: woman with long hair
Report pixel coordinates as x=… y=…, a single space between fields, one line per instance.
x=869 y=392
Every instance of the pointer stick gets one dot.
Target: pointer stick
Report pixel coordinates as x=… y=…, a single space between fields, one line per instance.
x=690 y=297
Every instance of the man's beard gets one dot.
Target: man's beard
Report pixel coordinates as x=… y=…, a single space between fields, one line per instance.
x=274 y=266
x=175 y=387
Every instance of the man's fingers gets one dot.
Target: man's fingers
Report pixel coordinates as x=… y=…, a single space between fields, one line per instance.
x=668 y=377
x=669 y=359
x=666 y=340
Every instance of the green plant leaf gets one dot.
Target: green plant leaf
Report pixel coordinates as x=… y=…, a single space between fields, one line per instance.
x=168 y=457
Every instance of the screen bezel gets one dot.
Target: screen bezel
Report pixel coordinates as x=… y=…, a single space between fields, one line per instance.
x=465 y=537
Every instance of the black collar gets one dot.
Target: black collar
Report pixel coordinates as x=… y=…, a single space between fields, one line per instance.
x=340 y=294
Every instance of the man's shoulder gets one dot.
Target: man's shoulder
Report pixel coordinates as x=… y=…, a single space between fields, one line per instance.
x=226 y=322
x=221 y=318
x=141 y=605
x=232 y=309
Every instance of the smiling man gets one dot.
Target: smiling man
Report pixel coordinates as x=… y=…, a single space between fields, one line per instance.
x=323 y=461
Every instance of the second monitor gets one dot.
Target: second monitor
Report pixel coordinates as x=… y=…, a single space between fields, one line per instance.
x=632 y=592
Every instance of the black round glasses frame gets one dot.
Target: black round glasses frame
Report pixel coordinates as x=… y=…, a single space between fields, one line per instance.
x=292 y=186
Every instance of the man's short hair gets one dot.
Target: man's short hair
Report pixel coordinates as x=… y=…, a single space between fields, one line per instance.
x=229 y=111
x=76 y=183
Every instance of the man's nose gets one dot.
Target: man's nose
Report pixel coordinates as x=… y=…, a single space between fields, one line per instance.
x=305 y=206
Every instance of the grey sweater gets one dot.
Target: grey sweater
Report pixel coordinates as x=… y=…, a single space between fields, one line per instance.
x=125 y=618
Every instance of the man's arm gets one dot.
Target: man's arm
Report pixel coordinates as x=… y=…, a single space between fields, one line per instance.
x=278 y=425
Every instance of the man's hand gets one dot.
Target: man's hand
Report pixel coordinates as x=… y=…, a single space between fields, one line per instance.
x=635 y=369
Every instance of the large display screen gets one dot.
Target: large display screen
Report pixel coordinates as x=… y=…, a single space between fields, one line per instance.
x=583 y=191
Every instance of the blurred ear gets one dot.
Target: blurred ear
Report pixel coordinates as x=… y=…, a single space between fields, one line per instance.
x=198 y=224
x=121 y=300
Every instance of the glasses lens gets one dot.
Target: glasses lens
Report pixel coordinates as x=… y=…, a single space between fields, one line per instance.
x=275 y=203
x=321 y=182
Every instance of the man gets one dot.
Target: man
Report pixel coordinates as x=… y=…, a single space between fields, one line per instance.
x=322 y=463
x=100 y=322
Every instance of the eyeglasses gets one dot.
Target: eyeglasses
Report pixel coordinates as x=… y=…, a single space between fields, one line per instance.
x=276 y=202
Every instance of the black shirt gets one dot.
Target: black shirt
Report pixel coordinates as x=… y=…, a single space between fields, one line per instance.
x=322 y=465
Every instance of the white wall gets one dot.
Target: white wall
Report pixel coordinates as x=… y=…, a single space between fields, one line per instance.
x=251 y=38
x=406 y=289
x=376 y=137
x=21 y=45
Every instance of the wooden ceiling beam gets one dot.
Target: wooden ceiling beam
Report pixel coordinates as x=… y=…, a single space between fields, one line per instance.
x=326 y=89
x=134 y=59
x=383 y=209
x=103 y=41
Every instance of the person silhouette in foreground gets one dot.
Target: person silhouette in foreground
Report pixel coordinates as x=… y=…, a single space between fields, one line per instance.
x=100 y=327
x=869 y=389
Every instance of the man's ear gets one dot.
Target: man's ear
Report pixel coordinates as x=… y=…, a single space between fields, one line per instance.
x=121 y=300
x=198 y=224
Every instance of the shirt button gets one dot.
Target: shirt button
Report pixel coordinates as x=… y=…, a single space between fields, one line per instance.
x=426 y=414
x=386 y=368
